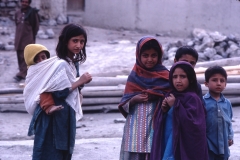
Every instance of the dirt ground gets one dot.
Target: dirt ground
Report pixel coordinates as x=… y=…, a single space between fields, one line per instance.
x=98 y=136
x=109 y=53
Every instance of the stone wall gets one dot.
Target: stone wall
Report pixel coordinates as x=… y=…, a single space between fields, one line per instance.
x=8 y=8
x=48 y=9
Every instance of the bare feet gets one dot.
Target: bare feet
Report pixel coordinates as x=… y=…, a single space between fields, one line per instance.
x=54 y=109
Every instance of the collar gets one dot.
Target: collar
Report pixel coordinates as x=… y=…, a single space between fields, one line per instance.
x=208 y=95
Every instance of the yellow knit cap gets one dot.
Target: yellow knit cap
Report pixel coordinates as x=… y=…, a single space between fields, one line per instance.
x=31 y=50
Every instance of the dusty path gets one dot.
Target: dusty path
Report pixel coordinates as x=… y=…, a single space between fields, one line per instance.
x=98 y=136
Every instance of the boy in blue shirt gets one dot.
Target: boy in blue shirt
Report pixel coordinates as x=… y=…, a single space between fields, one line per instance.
x=219 y=114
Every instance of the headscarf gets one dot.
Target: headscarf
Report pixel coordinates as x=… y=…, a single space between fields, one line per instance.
x=153 y=81
x=189 y=124
x=191 y=75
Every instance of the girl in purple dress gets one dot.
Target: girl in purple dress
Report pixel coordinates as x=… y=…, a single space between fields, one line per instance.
x=180 y=124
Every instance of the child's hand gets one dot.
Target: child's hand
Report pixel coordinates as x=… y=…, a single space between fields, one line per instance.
x=139 y=98
x=165 y=107
x=230 y=142
x=170 y=100
x=85 y=78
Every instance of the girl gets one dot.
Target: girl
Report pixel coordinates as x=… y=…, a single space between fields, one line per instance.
x=180 y=126
x=146 y=86
x=55 y=134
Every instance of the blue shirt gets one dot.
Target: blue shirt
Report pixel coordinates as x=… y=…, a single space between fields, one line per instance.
x=168 y=136
x=219 y=126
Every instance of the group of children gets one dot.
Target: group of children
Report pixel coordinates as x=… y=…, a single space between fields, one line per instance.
x=167 y=117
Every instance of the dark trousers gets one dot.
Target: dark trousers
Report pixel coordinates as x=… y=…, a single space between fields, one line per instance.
x=213 y=156
x=21 y=64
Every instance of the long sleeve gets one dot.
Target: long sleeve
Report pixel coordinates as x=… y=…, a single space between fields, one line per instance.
x=230 y=129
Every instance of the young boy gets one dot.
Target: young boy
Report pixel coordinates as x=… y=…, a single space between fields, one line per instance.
x=219 y=114
x=33 y=54
x=190 y=55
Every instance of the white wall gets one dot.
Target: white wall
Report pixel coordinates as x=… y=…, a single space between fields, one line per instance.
x=178 y=17
x=110 y=13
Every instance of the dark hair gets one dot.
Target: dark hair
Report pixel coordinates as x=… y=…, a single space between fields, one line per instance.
x=215 y=70
x=29 y=1
x=191 y=75
x=69 y=31
x=186 y=50
x=152 y=44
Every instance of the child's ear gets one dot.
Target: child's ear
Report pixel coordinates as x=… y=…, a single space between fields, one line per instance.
x=175 y=60
x=206 y=84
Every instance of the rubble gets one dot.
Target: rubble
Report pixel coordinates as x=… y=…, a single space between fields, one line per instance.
x=47 y=34
x=210 y=46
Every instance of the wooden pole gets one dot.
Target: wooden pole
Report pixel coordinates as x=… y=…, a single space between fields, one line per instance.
x=107 y=81
x=230 y=79
x=229 y=69
x=221 y=62
x=102 y=93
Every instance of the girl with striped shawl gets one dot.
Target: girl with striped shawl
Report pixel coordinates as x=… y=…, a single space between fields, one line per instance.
x=146 y=86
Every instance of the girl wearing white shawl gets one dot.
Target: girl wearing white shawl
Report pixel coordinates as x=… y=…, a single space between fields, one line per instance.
x=55 y=134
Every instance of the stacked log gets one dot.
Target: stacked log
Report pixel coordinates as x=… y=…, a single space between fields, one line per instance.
x=104 y=93
x=105 y=97
x=111 y=97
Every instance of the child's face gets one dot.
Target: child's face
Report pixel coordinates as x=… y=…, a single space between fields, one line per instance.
x=40 y=57
x=216 y=83
x=75 y=45
x=180 y=80
x=149 y=58
x=188 y=58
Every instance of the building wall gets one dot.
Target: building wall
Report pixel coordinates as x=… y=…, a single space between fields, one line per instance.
x=175 y=17
x=110 y=13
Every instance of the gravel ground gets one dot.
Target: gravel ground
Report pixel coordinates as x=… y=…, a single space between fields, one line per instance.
x=98 y=136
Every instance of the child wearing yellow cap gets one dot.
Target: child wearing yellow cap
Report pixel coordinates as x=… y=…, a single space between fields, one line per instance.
x=33 y=54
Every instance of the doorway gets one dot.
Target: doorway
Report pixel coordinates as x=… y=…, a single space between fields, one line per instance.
x=75 y=5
